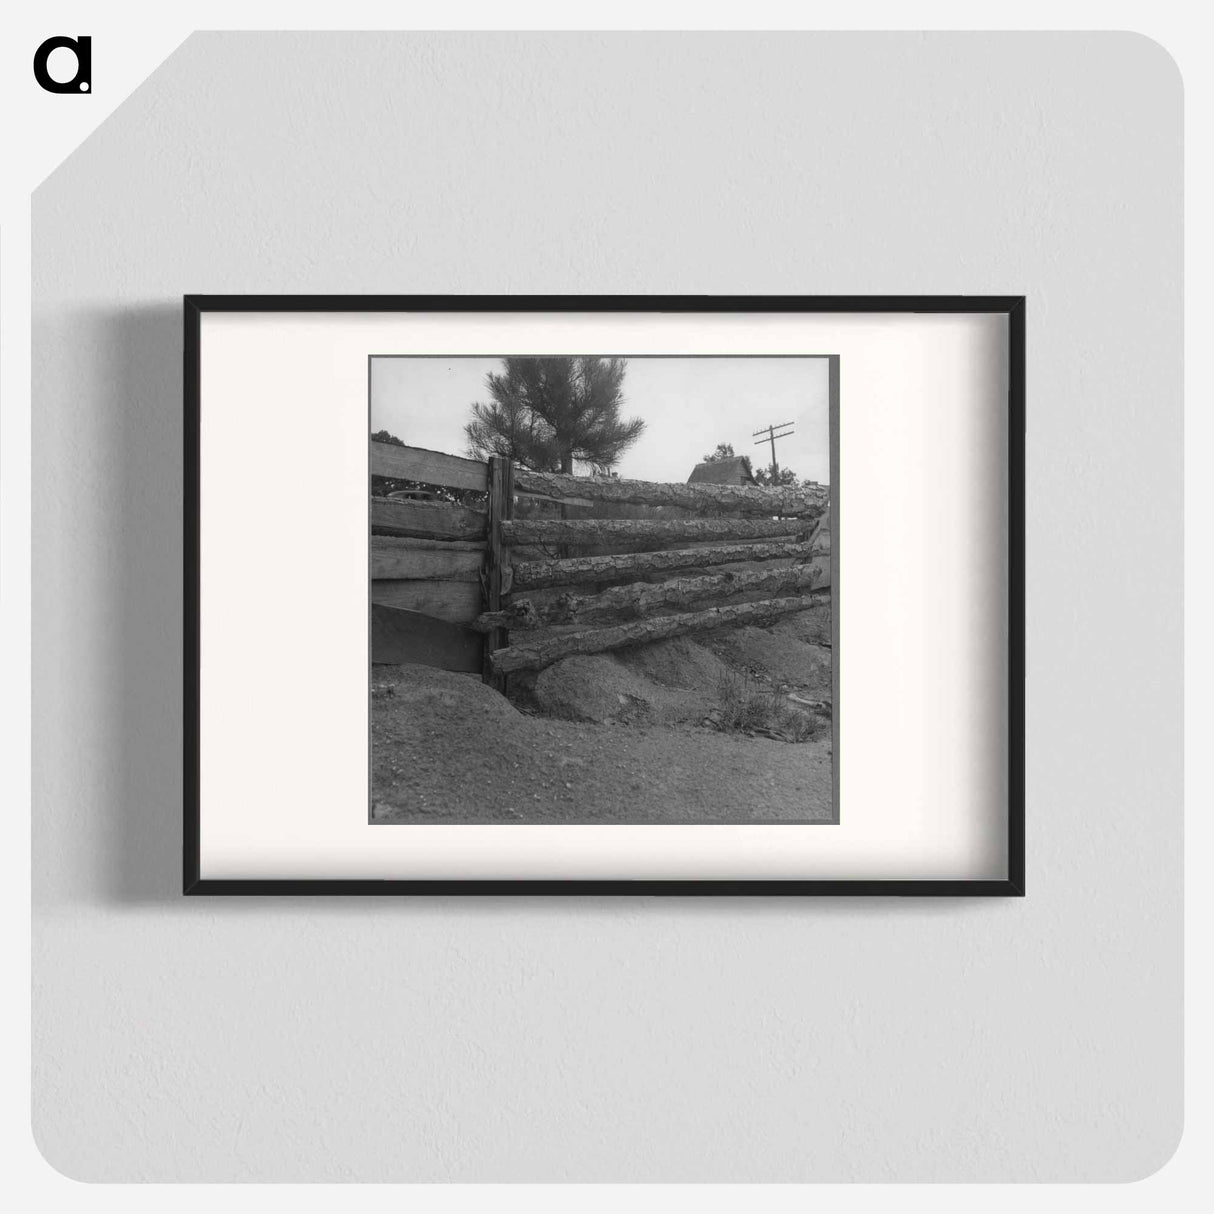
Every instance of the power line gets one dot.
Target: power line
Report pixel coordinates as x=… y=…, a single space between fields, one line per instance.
x=770 y=436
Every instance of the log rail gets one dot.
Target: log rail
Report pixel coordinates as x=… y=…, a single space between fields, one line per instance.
x=804 y=501
x=599 y=531
x=537 y=575
x=539 y=654
x=642 y=599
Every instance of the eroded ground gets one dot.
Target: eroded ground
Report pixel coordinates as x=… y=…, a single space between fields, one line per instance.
x=650 y=735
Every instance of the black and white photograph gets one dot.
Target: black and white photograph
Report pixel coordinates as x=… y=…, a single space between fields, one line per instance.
x=601 y=589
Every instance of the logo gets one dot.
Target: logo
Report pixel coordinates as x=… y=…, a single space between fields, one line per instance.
x=82 y=81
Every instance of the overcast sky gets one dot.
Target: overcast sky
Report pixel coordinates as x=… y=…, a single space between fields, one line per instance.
x=689 y=406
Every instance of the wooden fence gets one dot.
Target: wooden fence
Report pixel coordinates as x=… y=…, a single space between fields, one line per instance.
x=454 y=572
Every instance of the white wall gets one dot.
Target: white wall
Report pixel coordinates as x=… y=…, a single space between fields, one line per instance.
x=624 y=1039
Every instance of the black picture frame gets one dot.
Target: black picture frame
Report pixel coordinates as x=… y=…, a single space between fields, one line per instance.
x=1012 y=307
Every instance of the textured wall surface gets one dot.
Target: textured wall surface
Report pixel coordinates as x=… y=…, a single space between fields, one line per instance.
x=1036 y=1039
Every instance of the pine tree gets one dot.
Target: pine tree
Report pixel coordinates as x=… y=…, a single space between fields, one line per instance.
x=547 y=413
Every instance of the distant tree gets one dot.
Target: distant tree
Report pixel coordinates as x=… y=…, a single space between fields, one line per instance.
x=382 y=436
x=547 y=413
x=787 y=477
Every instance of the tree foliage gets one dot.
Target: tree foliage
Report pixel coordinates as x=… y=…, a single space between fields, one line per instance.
x=787 y=477
x=547 y=413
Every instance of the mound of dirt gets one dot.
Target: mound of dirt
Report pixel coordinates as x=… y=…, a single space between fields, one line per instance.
x=441 y=695
x=603 y=688
x=812 y=626
x=429 y=726
x=682 y=679
x=679 y=663
x=667 y=682
x=780 y=659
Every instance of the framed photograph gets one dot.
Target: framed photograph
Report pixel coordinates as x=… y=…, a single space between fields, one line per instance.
x=604 y=594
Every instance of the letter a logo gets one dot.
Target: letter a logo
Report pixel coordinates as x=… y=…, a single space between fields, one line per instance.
x=82 y=81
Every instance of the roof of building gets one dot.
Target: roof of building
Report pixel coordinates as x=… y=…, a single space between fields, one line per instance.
x=721 y=472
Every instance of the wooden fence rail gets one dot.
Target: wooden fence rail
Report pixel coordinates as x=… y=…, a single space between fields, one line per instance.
x=606 y=531
x=537 y=575
x=428 y=467
x=426 y=520
x=445 y=588
x=645 y=598
x=397 y=557
x=807 y=501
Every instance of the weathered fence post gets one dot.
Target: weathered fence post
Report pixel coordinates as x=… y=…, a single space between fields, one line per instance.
x=501 y=508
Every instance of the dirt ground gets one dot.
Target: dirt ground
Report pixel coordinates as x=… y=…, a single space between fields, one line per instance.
x=631 y=737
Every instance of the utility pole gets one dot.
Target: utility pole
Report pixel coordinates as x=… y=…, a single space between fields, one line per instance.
x=770 y=436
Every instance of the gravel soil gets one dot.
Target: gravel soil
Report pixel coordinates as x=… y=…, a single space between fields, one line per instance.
x=448 y=749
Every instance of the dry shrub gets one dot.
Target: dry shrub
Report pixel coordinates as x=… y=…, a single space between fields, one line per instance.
x=749 y=707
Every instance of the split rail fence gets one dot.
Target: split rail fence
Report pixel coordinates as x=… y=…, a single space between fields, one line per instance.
x=458 y=581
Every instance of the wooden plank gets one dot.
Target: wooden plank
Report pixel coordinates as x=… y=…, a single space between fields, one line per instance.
x=808 y=500
x=539 y=654
x=643 y=599
x=390 y=558
x=458 y=602
x=429 y=467
x=407 y=636
x=629 y=567
x=609 y=531
x=417 y=544
x=501 y=503
x=427 y=520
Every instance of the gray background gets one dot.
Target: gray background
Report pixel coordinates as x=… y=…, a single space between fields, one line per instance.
x=634 y=1039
